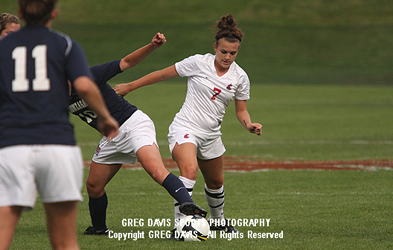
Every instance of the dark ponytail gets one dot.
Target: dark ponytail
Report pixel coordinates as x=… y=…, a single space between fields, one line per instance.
x=227 y=28
x=37 y=11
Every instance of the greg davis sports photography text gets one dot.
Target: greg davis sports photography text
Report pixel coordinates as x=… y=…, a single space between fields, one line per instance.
x=160 y=228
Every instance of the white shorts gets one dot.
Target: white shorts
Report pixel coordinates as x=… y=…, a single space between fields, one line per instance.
x=55 y=171
x=208 y=146
x=136 y=132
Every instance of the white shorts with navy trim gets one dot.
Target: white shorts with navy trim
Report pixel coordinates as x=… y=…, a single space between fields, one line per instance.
x=136 y=132
x=55 y=171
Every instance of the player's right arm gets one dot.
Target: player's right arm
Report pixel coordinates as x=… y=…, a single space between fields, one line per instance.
x=89 y=92
x=140 y=54
x=156 y=76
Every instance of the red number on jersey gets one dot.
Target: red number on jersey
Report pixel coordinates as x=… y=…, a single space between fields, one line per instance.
x=218 y=91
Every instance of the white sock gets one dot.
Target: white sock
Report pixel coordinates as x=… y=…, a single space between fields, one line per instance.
x=215 y=200
x=189 y=184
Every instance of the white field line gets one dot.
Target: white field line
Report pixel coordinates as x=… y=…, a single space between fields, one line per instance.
x=302 y=142
x=163 y=193
x=357 y=167
x=313 y=142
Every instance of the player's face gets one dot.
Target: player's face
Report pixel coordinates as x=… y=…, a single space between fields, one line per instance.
x=9 y=28
x=226 y=53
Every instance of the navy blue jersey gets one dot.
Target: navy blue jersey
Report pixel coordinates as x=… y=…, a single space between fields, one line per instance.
x=35 y=63
x=119 y=108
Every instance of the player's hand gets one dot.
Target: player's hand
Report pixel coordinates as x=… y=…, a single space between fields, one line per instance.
x=108 y=127
x=255 y=128
x=158 y=40
x=122 y=89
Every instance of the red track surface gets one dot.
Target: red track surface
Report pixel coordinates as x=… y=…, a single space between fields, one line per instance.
x=247 y=164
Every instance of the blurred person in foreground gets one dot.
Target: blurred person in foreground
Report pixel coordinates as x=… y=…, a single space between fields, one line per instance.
x=38 y=151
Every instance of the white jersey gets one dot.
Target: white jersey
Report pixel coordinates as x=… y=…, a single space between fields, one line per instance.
x=208 y=95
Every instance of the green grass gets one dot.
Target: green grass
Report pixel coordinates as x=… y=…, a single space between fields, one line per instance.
x=332 y=60
x=300 y=122
x=302 y=41
x=280 y=12
x=269 y=54
x=314 y=209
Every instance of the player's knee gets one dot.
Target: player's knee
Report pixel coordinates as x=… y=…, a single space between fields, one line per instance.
x=215 y=184
x=218 y=186
x=64 y=243
x=189 y=172
x=157 y=175
x=94 y=191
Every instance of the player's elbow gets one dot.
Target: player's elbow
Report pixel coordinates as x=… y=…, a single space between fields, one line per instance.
x=83 y=85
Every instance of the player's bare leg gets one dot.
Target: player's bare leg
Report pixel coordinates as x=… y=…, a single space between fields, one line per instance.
x=185 y=156
x=150 y=159
x=99 y=176
x=9 y=219
x=212 y=171
x=61 y=223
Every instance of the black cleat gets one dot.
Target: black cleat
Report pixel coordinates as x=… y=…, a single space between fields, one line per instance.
x=190 y=208
x=92 y=231
x=222 y=225
x=173 y=235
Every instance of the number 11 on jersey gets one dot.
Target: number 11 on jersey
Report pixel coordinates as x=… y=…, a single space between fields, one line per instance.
x=41 y=81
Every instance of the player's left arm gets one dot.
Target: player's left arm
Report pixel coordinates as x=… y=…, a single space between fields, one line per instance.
x=244 y=117
x=138 y=55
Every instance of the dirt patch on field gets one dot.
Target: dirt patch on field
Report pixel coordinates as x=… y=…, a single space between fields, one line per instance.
x=247 y=164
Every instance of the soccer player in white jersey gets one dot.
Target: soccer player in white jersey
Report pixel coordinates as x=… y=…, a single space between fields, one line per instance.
x=194 y=135
x=136 y=140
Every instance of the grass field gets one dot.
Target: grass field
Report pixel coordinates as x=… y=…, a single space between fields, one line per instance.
x=314 y=209
x=300 y=122
x=301 y=41
x=321 y=86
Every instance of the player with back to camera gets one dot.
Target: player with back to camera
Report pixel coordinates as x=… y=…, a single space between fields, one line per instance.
x=194 y=135
x=8 y=24
x=136 y=139
x=37 y=146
